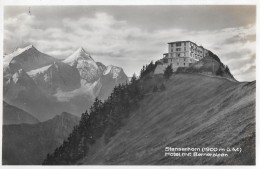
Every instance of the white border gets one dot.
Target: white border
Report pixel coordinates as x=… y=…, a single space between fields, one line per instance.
x=134 y=2
x=129 y=2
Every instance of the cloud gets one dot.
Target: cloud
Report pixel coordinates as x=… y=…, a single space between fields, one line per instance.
x=241 y=38
x=118 y=42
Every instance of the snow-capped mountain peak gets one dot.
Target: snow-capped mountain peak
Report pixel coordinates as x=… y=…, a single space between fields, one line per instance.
x=28 y=58
x=26 y=48
x=79 y=54
x=18 y=51
x=87 y=67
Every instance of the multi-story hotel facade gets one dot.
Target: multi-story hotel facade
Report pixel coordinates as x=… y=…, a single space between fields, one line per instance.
x=183 y=53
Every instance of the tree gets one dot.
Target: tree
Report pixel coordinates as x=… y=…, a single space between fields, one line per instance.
x=219 y=72
x=134 y=78
x=227 y=70
x=168 y=72
x=147 y=70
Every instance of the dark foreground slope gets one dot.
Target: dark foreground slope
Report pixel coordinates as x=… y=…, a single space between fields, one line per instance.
x=26 y=144
x=193 y=111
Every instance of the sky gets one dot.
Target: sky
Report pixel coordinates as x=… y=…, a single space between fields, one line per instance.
x=132 y=36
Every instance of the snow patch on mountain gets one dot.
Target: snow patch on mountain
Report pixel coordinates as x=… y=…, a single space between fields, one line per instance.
x=36 y=72
x=23 y=76
x=114 y=70
x=84 y=90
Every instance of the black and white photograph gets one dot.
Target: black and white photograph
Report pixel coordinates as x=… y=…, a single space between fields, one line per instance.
x=129 y=84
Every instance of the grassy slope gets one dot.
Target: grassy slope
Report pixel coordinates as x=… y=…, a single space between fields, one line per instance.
x=194 y=111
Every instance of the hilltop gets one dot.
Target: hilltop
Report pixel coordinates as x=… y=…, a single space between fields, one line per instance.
x=210 y=65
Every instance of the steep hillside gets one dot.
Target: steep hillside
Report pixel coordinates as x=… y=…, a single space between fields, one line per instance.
x=194 y=111
x=139 y=120
x=14 y=115
x=30 y=143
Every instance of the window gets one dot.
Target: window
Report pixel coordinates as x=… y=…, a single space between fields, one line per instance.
x=178 y=49
x=178 y=54
x=171 y=50
x=178 y=44
x=184 y=64
x=185 y=48
x=171 y=45
x=184 y=59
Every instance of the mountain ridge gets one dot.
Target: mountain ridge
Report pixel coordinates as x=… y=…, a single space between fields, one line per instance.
x=28 y=144
x=14 y=115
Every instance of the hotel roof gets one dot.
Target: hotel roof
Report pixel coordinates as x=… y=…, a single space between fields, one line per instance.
x=180 y=41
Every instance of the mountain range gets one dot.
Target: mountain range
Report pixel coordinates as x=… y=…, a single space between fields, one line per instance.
x=45 y=86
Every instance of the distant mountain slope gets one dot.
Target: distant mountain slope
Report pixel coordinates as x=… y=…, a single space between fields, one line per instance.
x=194 y=111
x=30 y=143
x=14 y=115
x=22 y=92
x=57 y=76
